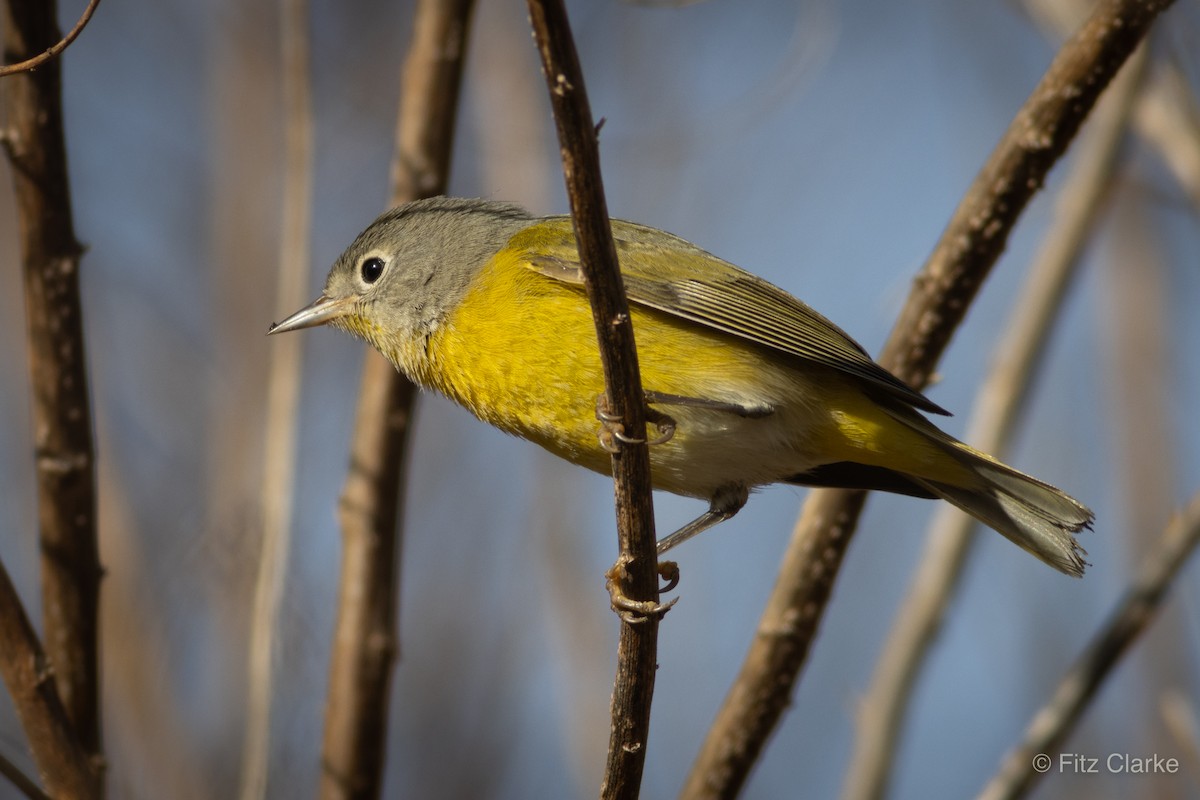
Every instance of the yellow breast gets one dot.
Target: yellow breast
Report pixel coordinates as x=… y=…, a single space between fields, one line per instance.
x=520 y=352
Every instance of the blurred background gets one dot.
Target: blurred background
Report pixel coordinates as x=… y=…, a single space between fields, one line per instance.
x=821 y=144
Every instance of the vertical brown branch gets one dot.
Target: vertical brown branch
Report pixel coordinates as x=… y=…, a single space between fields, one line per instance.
x=366 y=637
x=62 y=415
x=636 y=570
x=430 y=83
x=941 y=294
x=365 y=643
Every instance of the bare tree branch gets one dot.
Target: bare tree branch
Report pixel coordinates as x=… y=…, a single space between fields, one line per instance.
x=62 y=762
x=1167 y=115
x=366 y=637
x=942 y=292
x=283 y=395
x=635 y=573
x=30 y=64
x=1035 y=755
x=1000 y=399
x=1037 y=137
x=62 y=415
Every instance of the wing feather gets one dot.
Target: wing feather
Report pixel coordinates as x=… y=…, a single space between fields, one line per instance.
x=718 y=295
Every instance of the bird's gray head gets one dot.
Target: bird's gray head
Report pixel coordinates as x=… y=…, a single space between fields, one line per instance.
x=410 y=268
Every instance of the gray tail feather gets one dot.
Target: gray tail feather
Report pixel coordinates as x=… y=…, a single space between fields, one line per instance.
x=1034 y=515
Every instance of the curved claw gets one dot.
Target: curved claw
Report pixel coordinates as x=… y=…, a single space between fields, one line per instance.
x=606 y=440
x=669 y=572
x=612 y=429
x=618 y=433
x=636 y=612
x=632 y=611
x=602 y=412
x=665 y=425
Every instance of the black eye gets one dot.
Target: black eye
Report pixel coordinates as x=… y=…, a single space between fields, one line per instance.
x=371 y=269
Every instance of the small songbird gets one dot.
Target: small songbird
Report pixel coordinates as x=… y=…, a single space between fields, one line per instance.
x=484 y=302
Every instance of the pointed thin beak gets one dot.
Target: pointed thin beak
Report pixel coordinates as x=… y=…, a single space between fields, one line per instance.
x=322 y=310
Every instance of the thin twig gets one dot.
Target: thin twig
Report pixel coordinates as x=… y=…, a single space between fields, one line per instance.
x=61 y=761
x=366 y=637
x=635 y=573
x=999 y=401
x=942 y=292
x=62 y=414
x=30 y=64
x=283 y=395
x=1037 y=753
x=23 y=783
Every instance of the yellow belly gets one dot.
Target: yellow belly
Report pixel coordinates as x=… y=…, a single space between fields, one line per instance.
x=520 y=353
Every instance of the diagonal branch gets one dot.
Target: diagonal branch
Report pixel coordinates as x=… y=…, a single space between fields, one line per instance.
x=22 y=782
x=62 y=415
x=941 y=294
x=63 y=764
x=1167 y=115
x=918 y=620
x=635 y=572
x=1032 y=758
x=1038 y=136
x=366 y=636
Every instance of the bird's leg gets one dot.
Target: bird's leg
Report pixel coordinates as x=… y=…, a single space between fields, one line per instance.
x=723 y=505
x=742 y=410
x=612 y=432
